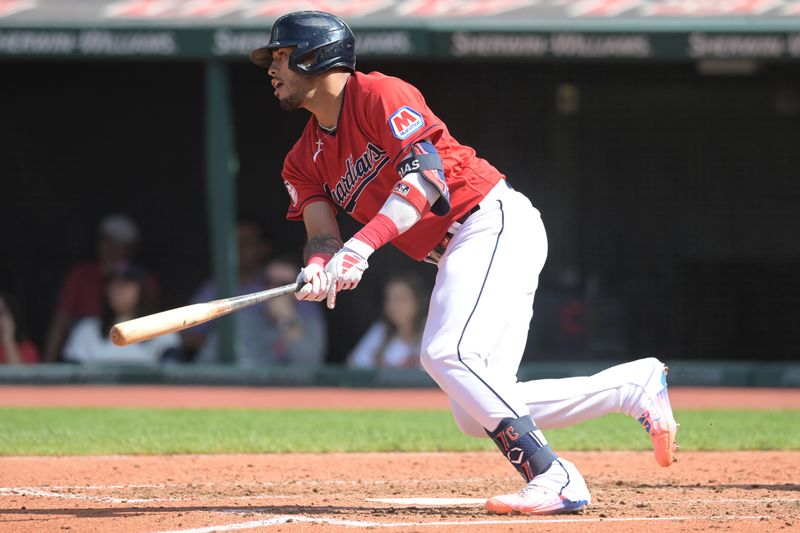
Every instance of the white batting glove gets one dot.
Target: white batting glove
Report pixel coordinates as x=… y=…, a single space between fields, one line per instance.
x=346 y=268
x=316 y=283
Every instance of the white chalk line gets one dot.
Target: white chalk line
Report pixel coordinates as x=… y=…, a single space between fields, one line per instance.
x=50 y=491
x=71 y=496
x=429 y=501
x=311 y=483
x=27 y=491
x=286 y=519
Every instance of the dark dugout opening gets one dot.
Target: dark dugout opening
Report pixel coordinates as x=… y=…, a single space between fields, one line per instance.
x=670 y=197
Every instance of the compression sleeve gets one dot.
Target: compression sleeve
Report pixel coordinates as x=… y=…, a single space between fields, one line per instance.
x=396 y=216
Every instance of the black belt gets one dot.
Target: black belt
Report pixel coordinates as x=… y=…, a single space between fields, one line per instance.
x=438 y=251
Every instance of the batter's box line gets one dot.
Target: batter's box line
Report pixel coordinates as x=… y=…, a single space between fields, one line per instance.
x=336 y=482
x=20 y=491
x=286 y=519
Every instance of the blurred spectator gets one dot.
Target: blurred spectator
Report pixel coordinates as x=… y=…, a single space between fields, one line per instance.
x=125 y=298
x=15 y=348
x=282 y=330
x=82 y=293
x=394 y=341
x=254 y=247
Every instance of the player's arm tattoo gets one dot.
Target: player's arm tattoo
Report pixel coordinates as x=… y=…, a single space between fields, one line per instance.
x=322 y=244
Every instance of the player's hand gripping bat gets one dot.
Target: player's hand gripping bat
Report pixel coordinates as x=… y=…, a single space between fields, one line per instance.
x=147 y=327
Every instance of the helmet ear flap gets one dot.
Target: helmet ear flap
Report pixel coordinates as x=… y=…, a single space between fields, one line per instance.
x=297 y=64
x=337 y=53
x=302 y=61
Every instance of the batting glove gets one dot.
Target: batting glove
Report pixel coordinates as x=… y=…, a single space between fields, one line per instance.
x=316 y=281
x=346 y=268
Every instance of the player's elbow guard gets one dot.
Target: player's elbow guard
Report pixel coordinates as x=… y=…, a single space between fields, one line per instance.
x=422 y=180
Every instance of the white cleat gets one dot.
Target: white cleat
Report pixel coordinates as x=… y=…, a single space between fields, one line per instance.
x=561 y=489
x=655 y=414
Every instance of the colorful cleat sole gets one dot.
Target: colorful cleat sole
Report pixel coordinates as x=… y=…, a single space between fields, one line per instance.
x=560 y=489
x=563 y=506
x=660 y=424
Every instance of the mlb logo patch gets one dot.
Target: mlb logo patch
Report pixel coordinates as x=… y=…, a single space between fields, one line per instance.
x=405 y=121
x=402 y=189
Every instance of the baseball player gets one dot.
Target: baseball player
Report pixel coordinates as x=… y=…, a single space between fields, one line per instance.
x=373 y=149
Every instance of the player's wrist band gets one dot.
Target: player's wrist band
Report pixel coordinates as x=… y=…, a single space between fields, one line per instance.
x=375 y=234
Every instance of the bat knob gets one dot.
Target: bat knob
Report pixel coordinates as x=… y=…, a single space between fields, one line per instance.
x=117 y=337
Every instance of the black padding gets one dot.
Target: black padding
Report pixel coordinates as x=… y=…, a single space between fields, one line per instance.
x=516 y=439
x=418 y=163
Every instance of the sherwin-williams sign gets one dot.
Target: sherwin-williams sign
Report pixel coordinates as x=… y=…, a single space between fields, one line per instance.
x=232 y=44
x=141 y=42
x=593 y=45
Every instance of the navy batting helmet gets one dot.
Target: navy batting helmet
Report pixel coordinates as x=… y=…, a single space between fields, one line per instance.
x=323 y=41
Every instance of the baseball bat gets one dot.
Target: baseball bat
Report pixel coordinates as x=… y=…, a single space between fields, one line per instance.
x=149 y=326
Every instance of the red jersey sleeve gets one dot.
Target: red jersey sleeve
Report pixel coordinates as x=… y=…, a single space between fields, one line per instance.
x=398 y=116
x=82 y=293
x=303 y=189
x=29 y=353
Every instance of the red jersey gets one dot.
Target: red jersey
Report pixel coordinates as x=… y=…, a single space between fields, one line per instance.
x=355 y=168
x=28 y=353
x=82 y=294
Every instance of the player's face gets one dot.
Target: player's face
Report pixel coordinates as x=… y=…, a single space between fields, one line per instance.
x=291 y=89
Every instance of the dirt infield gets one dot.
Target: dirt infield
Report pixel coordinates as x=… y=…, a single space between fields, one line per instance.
x=739 y=491
x=334 y=398
x=338 y=492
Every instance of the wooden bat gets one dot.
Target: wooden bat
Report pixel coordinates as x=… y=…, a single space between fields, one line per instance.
x=147 y=327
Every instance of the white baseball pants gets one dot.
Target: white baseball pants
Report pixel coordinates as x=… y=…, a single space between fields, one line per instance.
x=477 y=327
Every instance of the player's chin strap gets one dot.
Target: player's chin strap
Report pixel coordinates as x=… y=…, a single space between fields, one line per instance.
x=517 y=439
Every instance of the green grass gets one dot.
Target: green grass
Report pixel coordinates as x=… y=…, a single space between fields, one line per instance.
x=67 y=431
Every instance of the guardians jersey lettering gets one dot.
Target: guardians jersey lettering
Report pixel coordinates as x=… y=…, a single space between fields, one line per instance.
x=381 y=119
x=356 y=176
